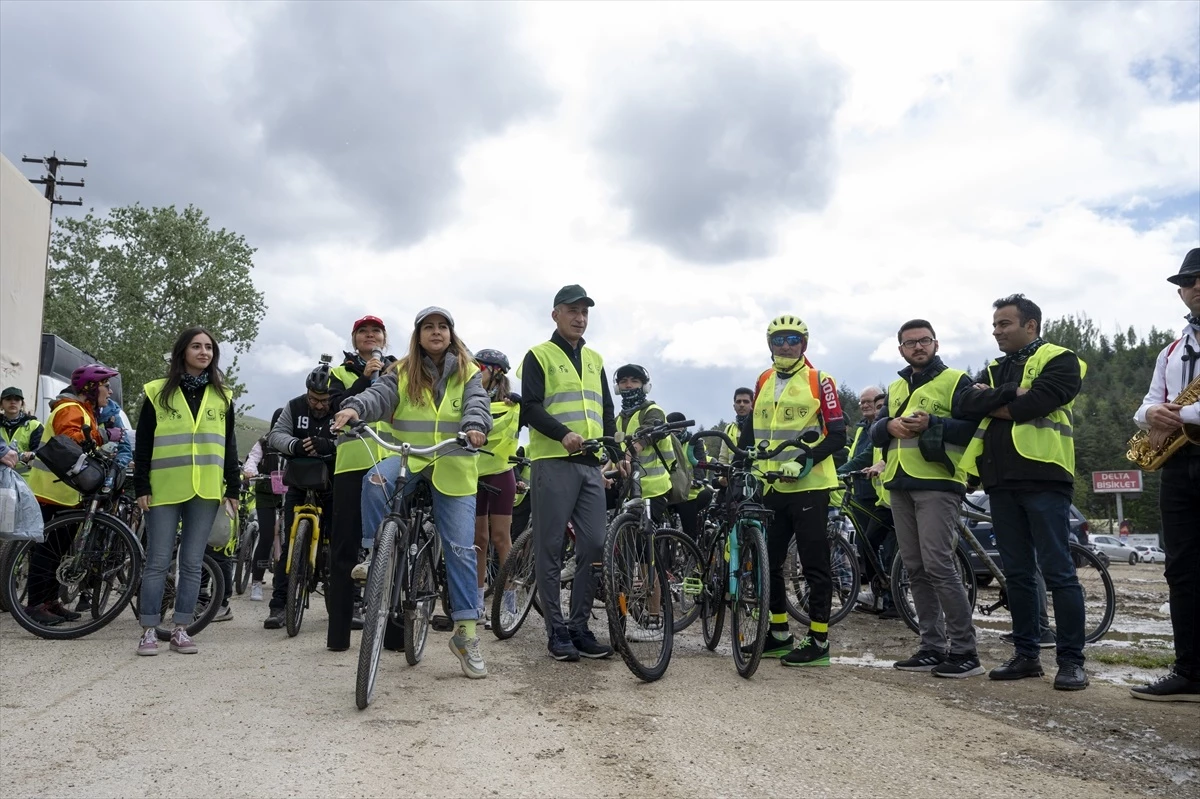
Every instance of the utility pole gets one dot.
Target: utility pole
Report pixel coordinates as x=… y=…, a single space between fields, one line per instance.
x=52 y=162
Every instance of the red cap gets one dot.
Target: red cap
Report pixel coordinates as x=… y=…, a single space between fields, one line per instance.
x=368 y=320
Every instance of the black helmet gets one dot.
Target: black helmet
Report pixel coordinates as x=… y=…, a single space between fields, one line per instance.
x=319 y=379
x=494 y=358
x=632 y=370
x=675 y=416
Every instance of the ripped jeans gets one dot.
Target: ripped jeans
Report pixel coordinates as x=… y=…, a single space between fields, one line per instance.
x=455 y=520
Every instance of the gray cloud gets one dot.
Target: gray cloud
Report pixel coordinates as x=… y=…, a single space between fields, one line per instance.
x=712 y=145
x=296 y=122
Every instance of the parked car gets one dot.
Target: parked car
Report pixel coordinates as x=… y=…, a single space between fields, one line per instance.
x=1151 y=554
x=983 y=531
x=1116 y=549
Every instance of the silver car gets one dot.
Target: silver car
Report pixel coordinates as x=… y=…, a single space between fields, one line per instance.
x=1117 y=550
x=1151 y=554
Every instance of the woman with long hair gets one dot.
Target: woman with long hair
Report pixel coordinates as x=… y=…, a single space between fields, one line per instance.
x=185 y=459
x=435 y=393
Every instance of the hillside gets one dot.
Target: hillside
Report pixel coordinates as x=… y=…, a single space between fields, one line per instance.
x=249 y=429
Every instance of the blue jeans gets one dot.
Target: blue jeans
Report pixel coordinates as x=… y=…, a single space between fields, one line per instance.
x=1032 y=530
x=162 y=522
x=455 y=520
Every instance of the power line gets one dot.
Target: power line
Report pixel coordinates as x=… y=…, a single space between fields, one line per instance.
x=51 y=180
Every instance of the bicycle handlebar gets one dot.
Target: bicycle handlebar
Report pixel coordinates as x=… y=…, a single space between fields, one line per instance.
x=761 y=452
x=360 y=427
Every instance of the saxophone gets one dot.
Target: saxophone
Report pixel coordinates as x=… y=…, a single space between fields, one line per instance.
x=1151 y=458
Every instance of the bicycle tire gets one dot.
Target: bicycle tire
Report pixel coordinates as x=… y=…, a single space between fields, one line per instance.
x=121 y=561
x=750 y=609
x=247 y=545
x=421 y=586
x=299 y=574
x=626 y=551
x=377 y=599
x=1099 y=594
x=712 y=598
x=902 y=594
x=207 y=605
x=5 y=603
x=843 y=566
x=516 y=571
x=680 y=559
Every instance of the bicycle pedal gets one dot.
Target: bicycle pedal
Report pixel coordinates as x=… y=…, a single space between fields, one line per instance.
x=443 y=624
x=693 y=586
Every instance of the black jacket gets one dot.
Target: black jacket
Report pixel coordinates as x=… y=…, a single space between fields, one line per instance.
x=533 y=394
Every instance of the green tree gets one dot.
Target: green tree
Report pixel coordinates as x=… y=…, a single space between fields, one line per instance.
x=124 y=286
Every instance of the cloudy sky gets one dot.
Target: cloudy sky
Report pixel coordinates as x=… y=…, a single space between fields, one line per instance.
x=698 y=168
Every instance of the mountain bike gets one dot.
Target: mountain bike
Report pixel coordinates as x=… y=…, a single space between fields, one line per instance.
x=247 y=536
x=308 y=540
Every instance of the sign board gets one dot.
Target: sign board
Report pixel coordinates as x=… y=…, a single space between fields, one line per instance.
x=1123 y=482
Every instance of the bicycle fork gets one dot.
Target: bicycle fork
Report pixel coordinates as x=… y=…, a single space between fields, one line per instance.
x=313 y=514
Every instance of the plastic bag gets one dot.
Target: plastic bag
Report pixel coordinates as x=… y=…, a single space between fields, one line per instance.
x=20 y=515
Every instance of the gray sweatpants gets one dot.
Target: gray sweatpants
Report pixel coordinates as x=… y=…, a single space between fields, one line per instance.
x=563 y=490
x=927 y=535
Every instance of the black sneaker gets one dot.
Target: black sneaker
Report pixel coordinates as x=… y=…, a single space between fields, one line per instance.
x=809 y=653
x=924 y=660
x=773 y=647
x=1017 y=667
x=889 y=613
x=1070 y=677
x=1049 y=639
x=59 y=609
x=274 y=621
x=356 y=617
x=1172 y=688
x=43 y=615
x=959 y=666
x=587 y=645
x=561 y=648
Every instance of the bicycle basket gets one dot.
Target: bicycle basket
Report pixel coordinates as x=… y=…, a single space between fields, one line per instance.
x=306 y=474
x=65 y=458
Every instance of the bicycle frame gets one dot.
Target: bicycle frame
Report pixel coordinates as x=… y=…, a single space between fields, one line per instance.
x=311 y=511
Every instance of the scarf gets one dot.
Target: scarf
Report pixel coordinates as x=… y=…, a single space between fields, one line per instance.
x=1193 y=319
x=13 y=424
x=1022 y=355
x=191 y=382
x=631 y=399
x=786 y=367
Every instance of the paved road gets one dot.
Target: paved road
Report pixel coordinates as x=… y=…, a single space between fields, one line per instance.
x=258 y=714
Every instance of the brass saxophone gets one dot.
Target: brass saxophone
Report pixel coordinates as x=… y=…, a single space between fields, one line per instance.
x=1151 y=458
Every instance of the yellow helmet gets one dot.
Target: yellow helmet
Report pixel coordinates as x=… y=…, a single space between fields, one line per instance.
x=787 y=321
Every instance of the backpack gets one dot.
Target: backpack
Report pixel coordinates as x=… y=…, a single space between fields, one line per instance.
x=681 y=471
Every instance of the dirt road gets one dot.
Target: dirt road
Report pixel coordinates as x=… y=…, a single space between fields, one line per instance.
x=259 y=714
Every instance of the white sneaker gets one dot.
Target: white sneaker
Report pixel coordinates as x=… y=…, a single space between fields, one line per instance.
x=256 y=592
x=508 y=619
x=651 y=631
x=224 y=614
x=359 y=572
x=568 y=571
x=468 y=654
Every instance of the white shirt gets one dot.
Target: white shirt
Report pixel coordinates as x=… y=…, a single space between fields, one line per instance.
x=1171 y=374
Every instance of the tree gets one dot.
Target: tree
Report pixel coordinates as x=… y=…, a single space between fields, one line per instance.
x=123 y=287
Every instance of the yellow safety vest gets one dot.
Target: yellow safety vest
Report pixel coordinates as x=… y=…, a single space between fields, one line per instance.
x=885 y=496
x=355 y=454
x=576 y=400
x=20 y=438
x=724 y=454
x=42 y=482
x=935 y=397
x=797 y=412
x=656 y=482
x=1047 y=439
x=502 y=441
x=455 y=470
x=188 y=459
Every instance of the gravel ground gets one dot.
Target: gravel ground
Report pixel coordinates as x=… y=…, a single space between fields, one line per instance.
x=259 y=714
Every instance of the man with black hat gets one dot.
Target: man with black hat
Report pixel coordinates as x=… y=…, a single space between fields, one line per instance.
x=1179 y=491
x=565 y=399
x=18 y=429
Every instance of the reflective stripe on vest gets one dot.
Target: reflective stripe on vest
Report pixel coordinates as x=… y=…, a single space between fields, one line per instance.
x=1046 y=439
x=20 y=439
x=576 y=400
x=188 y=458
x=502 y=441
x=42 y=482
x=355 y=454
x=935 y=397
x=455 y=470
x=797 y=412
x=656 y=482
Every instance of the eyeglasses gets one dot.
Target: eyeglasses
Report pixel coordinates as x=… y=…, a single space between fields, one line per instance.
x=869 y=403
x=317 y=403
x=791 y=339
x=912 y=343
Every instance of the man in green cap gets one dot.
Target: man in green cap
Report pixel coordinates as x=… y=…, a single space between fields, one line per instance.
x=19 y=429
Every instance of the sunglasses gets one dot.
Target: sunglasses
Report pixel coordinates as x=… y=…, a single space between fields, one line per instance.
x=1187 y=282
x=790 y=339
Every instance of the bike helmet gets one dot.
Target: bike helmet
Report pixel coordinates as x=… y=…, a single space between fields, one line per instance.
x=93 y=374
x=787 y=321
x=631 y=370
x=494 y=358
x=319 y=379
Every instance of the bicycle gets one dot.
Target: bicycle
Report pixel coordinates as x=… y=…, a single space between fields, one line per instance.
x=736 y=572
x=308 y=541
x=645 y=568
x=402 y=581
x=101 y=567
x=247 y=536
x=1094 y=580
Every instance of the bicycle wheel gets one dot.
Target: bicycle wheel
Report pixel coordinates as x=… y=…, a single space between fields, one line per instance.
x=902 y=589
x=208 y=601
x=104 y=578
x=712 y=597
x=1099 y=596
x=637 y=601
x=377 y=600
x=843 y=567
x=247 y=545
x=750 y=610
x=421 y=592
x=299 y=575
x=681 y=562
x=510 y=605
x=5 y=604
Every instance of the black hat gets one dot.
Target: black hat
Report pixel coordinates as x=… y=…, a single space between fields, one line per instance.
x=12 y=391
x=572 y=293
x=1190 y=267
